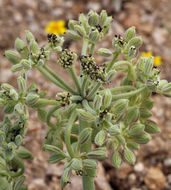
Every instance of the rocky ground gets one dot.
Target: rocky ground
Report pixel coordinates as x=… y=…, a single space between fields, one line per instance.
x=152 y=20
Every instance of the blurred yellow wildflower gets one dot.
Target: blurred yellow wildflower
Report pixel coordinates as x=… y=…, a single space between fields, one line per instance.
x=56 y=27
x=157 y=59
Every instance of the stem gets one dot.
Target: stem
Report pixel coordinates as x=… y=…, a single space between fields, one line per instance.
x=120 y=63
x=83 y=86
x=47 y=102
x=110 y=65
x=92 y=49
x=128 y=94
x=75 y=79
x=68 y=134
x=94 y=90
x=49 y=114
x=122 y=88
x=85 y=46
x=68 y=88
x=88 y=183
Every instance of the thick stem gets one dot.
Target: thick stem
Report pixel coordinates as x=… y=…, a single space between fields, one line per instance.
x=88 y=183
x=128 y=94
x=85 y=46
x=63 y=84
x=92 y=49
x=110 y=65
x=94 y=90
x=75 y=79
x=68 y=134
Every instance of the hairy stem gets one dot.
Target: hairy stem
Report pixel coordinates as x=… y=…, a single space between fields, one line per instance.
x=128 y=94
x=47 y=102
x=110 y=65
x=68 y=134
x=68 y=88
x=94 y=90
x=75 y=79
x=49 y=114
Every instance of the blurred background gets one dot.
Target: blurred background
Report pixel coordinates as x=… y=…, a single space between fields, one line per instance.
x=152 y=19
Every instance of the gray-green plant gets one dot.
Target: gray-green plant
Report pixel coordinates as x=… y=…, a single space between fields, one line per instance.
x=92 y=119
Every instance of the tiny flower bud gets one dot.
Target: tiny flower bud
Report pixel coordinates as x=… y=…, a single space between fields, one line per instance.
x=26 y=64
x=116 y=159
x=145 y=113
x=84 y=135
x=107 y=98
x=93 y=18
x=67 y=58
x=129 y=156
x=17 y=67
x=34 y=47
x=132 y=115
x=136 y=129
x=21 y=47
x=97 y=102
x=19 y=109
x=104 y=52
x=100 y=138
x=129 y=34
x=94 y=36
x=142 y=139
x=97 y=154
x=81 y=31
x=148 y=65
x=132 y=52
x=66 y=177
x=103 y=17
x=13 y=94
x=72 y=24
x=135 y=41
x=148 y=104
x=32 y=99
x=84 y=22
x=18 y=140
x=85 y=115
x=29 y=36
x=89 y=164
x=133 y=145
x=73 y=35
x=114 y=130
x=13 y=56
x=120 y=106
x=77 y=164
x=151 y=127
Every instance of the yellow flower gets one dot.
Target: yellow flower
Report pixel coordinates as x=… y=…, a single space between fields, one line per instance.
x=56 y=27
x=157 y=59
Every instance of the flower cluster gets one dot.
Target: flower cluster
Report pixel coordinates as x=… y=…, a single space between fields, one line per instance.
x=88 y=114
x=91 y=69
